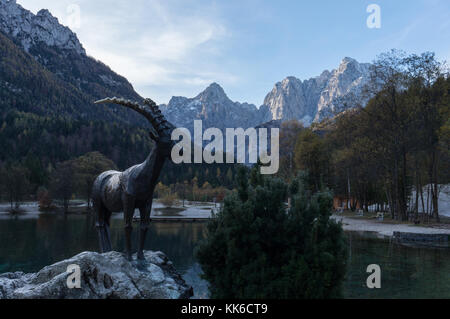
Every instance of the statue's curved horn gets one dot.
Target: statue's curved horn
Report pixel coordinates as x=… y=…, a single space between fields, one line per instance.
x=130 y=104
x=149 y=110
x=134 y=106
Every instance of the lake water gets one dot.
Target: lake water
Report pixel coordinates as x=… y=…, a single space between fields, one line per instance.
x=28 y=244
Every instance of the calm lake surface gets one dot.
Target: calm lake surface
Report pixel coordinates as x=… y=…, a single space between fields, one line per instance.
x=28 y=244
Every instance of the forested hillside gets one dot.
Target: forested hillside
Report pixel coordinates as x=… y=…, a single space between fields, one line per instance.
x=52 y=120
x=48 y=117
x=27 y=86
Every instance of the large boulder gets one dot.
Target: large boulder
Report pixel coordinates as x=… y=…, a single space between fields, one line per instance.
x=108 y=275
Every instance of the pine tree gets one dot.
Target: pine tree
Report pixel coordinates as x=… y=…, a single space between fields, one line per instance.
x=255 y=248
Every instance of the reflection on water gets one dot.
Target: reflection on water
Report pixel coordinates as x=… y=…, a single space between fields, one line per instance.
x=29 y=244
x=406 y=272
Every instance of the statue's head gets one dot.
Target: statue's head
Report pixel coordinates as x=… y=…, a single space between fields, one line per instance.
x=160 y=129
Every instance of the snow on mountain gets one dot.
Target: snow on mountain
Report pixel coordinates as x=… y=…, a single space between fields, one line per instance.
x=59 y=50
x=345 y=84
x=306 y=101
x=295 y=99
x=215 y=109
x=317 y=98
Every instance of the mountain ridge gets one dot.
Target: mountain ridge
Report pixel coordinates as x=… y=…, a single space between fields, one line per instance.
x=30 y=29
x=214 y=108
x=59 y=51
x=307 y=101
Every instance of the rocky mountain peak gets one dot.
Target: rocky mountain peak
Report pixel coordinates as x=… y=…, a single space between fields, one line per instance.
x=215 y=109
x=351 y=65
x=312 y=99
x=290 y=99
x=324 y=76
x=57 y=60
x=215 y=87
x=289 y=80
x=345 y=82
x=30 y=30
x=348 y=60
x=45 y=13
x=214 y=92
x=286 y=99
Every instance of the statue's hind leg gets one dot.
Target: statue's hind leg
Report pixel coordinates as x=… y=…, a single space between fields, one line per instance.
x=108 y=246
x=128 y=212
x=102 y=224
x=143 y=229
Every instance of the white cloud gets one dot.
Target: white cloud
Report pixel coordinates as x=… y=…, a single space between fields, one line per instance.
x=151 y=43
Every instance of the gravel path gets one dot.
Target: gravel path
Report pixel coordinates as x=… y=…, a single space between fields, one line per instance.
x=353 y=224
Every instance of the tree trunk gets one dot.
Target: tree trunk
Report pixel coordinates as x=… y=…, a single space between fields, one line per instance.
x=435 y=186
x=66 y=206
x=402 y=191
x=423 y=203
x=348 y=188
x=416 y=204
x=435 y=201
x=89 y=199
x=390 y=202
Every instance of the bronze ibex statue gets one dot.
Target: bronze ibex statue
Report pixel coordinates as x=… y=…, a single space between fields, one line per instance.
x=125 y=191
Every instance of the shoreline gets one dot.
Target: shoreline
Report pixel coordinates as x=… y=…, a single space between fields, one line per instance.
x=202 y=211
x=365 y=225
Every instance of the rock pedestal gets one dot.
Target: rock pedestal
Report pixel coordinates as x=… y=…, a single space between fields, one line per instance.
x=102 y=276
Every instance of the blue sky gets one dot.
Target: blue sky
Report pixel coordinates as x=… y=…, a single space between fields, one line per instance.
x=177 y=47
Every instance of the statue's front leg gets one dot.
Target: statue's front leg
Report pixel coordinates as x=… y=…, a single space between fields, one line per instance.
x=128 y=212
x=145 y=212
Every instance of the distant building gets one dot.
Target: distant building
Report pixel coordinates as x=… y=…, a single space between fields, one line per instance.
x=344 y=202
